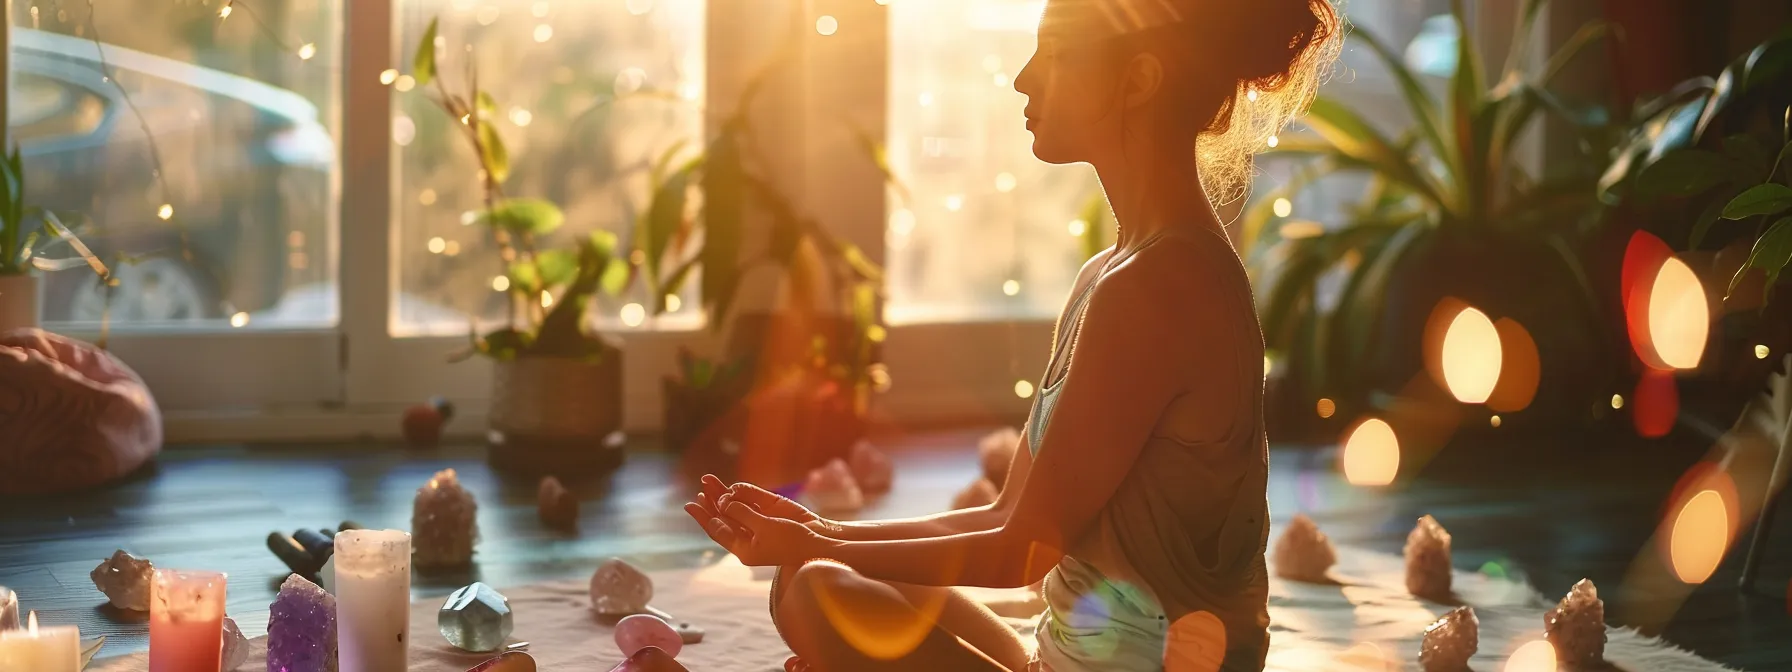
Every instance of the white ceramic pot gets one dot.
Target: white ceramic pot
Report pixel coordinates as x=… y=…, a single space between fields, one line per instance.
x=18 y=302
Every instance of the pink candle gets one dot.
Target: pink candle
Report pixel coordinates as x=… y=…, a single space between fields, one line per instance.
x=186 y=620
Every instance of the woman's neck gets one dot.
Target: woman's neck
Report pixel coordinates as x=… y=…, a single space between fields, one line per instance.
x=1155 y=190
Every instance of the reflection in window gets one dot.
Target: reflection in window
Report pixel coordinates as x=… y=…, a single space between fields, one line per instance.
x=241 y=237
x=988 y=229
x=553 y=68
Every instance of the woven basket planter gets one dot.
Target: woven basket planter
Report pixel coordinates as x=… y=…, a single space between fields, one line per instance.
x=557 y=416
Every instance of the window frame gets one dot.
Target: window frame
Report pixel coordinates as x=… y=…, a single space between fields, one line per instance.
x=353 y=381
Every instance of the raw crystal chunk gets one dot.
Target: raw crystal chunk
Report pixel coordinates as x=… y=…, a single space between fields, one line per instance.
x=618 y=588
x=1428 y=559
x=555 y=505
x=443 y=527
x=124 y=578
x=514 y=661
x=832 y=489
x=996 y=453
x=236 y=646
x=302 y=628
x=1451 y=641
x=871 y=468
x=1304 y=553
x=476 y=618
x=650 y=659
x=1577 y=626
x=641 y=631
x=980 y=493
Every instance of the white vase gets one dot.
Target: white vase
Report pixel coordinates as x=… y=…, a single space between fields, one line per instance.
x=18 y=302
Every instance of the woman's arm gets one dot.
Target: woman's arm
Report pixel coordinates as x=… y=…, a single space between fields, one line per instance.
x=975 y=519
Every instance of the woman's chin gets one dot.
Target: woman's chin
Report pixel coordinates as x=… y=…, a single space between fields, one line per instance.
x=1052 y=155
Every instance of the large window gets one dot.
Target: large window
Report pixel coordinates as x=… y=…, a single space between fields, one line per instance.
x=590 y=94
x=237 y=228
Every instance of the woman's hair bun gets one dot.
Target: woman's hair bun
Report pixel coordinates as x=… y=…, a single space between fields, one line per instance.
x=1272 y=37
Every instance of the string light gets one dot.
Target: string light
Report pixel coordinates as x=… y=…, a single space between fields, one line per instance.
x=1273 y=141
x=166 y=212
x=1761 y=352
x=827 y=25
x=1078 y=227
x=1001 y=79
x=427 y=197
x=307 y=51
x=1023 y=389
x=1617 y=401
x=520 y=116
x=1011 y=287
x=1005 y=182
x=1283 y=207
x=388 y=76
x=239 y=320
x=404 y=83
x=634 y=314
x=1326 y=408
x=1251 y=95
x=673 y=303
x=437 y=245
x=1495 y=421
x=955 y=203
x=453 y=248
x=544 y=32
x=500 y=284
x=223 y=13
x=468 y=218
x=547 y=300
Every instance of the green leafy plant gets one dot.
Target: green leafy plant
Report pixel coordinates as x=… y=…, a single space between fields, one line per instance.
x=1716 y=154
x=1450 y=176
x=550 y=288
x=28 y=233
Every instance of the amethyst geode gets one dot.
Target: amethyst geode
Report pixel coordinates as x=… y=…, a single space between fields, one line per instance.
x=302 y=628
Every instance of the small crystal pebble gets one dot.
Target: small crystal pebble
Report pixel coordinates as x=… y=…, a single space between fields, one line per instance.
x=124 y=578
x=513 y=661
x=871 y=468
x=1577 y=626
x=302 y=628
x=832 y=489
x=1451 y=641
x=996 y=452
x=980 y=493
x=641 y=631
x=619 y=588
x=1304 y=553
x=236 y=646
x=1428 y=559
x=443 y=523
x=476 y=618
x=556 y=506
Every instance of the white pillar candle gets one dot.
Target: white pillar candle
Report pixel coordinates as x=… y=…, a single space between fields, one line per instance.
x=52 y=649
x=373 y=600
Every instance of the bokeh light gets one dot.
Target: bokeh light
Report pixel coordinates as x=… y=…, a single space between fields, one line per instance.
x=880 y=634
x=634 y=314
x=1371 y=454
x=1762 y=351
x=1471 y=357
x=1700 y=537
x=1283 y=207
x=1534 y=656
x=1679 y=316
x=827 y=25
x=1367 y=657
x=1326 y=408
x=1520 y=368
x=1023 y=389
x=1195 y=643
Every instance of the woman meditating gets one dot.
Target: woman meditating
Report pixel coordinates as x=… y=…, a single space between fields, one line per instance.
x=1139 y=494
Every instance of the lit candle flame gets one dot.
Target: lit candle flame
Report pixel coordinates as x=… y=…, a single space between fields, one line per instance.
x=32 y=623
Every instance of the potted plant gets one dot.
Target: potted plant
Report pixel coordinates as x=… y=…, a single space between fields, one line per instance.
x=797 y=384
x=1448 y=216
x=556 y=402
x=26 y=234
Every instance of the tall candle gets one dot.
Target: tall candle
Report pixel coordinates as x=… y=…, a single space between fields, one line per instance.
x=51 y=649
x=186 y=620
x=373 y=600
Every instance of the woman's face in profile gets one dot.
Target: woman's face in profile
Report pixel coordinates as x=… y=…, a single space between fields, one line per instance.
x=1070 y=85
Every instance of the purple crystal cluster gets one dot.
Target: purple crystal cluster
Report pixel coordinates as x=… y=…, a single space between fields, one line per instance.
x=302 y=628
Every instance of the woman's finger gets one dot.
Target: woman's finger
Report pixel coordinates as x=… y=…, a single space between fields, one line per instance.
x=709 y=505
x=748 y=517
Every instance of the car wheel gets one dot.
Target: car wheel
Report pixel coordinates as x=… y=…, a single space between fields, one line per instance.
x=152 y=290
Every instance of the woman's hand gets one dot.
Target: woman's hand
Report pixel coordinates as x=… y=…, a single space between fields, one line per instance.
x=715 y=498
x=758 y=540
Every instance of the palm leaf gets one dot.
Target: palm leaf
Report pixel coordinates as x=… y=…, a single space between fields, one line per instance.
x=1465 y=105
x=1424 y=109
x=1352 y=136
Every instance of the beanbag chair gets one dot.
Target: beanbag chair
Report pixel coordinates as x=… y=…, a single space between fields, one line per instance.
x=71 y=415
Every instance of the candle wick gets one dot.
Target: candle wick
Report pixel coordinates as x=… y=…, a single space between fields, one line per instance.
x=32 y=621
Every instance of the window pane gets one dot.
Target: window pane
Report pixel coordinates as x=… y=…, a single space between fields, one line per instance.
x=553 y=68
x=987 y=232
x=957 y=135
x=240 y=229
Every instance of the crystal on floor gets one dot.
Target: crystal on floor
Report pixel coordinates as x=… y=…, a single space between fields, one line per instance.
x=476 y=618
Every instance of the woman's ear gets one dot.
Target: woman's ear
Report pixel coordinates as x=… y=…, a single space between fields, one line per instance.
x=1143 y=78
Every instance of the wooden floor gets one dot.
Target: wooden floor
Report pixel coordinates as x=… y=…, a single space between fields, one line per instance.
x=1551 y=514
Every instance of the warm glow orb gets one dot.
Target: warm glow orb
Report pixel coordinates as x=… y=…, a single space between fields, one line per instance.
x=500 y=284
x=307 y=51
x=239 y=320
x=1023 y=389
x=1471 y=357
x=1078 y=227
x=1494 y=421
x=1700 y=537
x=1679 y=316
x=827 y=25
x=1534 y=656
x=673 y=303
x=1326 y=408
x=634 y=314
x=1761 y=352
x=1195 y=643
x=1371 y=454
x=1283 y=207
x=1011 y=287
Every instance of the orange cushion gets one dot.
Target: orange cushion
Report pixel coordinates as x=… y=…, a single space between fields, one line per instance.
x=71 y=415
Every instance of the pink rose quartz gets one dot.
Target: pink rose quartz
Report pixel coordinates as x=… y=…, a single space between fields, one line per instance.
x=832 y=489
x=1428 y=560
x=871 y=468
x=641 y=631
x=1303 y=553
